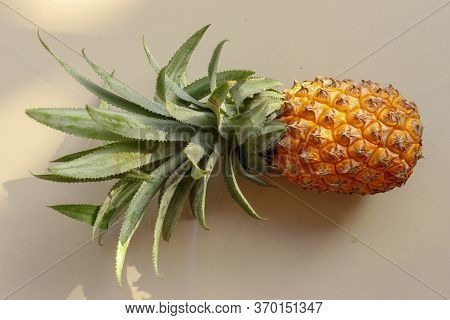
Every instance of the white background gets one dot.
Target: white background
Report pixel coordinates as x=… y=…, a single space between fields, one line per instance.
x=388 y=246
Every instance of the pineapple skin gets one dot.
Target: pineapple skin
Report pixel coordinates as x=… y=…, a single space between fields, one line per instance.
x=348 y=137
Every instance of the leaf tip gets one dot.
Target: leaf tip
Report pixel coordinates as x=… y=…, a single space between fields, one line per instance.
x=205 y=227
x=31 y=113
x=120 y=259
x=156 y=269
x=42 y=40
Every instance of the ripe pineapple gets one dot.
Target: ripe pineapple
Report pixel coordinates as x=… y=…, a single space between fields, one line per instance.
x=348 y=137
x=326 y=135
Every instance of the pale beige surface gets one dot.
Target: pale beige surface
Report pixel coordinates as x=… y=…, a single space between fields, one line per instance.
x=390 y=246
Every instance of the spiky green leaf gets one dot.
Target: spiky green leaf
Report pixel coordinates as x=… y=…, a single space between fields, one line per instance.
x=103 y=104
x=198 y=193
x=118 y=197
x=254 y=160
x=189 y=116
x=254 y=178
x=161 y=84
x=164 y=83
x=100 y=92
x=250 y=123
x=175 y=206
x=137 y=207
x=76 y=155
x=177 y=65
x=250 y=176
x=250 y=87
x=125 y=91
x=254 y=148
x=233 y=187
x=137 y=174
x=269 y=135
x=166 y=195
x=72 y=121
x=81 y=212
x=212 y=67
x=61 y=179
x=150 y=57
x=110 y=160
x=195 y=151
x=218 y=97
x=261 y=98
x=201 y=87
x=272 y=105
x=140 y=127
x=183 y=95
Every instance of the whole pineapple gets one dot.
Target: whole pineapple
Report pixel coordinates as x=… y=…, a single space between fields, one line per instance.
x=348 y=137
x=326 y=135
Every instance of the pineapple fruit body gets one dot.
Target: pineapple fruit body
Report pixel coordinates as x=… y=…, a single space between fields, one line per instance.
x=348 y=137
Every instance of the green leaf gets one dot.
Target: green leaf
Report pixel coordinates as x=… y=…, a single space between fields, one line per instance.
x=272 y=105
x=132 y=175
x=72 y=121
x=108 y=161
x=103 y=104
x=177 y=65
x=100 y=92
x=250 y=123
x=198 y=193
x=150 y=57
x=262 y=97
x=161 y=84
x=256 y=145
x=271 y=94
x=165 y=85
x=136 y=174
x=254 y=178
x=181 y=94
x=76 y=155
x=229 y=109
x=201 y=87
x=218 y=97
x=125 y=91
x=166 y=195
x=190 y=116
x=184 y=80
x=253 y=160
x=118 y=197
x=81 y=212
x=270 y=135
x=175 y=206
x=250 y=87
x=140 y=127
x=137 y=206
x=61 y=179
x=212 y=67
x=233 y=187
x=250 y=176
x=195 y=151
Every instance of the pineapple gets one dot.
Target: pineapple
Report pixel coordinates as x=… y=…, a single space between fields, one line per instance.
x=325 y=135
x=348 y=137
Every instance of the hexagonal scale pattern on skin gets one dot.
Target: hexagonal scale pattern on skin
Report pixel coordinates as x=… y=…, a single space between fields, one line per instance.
x=348 y=137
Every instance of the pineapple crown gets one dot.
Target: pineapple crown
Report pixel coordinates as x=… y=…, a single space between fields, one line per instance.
x=169 y=144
